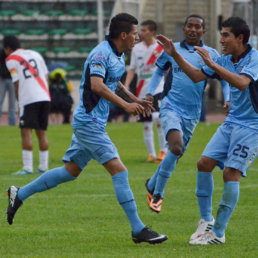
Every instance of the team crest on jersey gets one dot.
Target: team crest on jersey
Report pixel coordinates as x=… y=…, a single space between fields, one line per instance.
x=97 y=65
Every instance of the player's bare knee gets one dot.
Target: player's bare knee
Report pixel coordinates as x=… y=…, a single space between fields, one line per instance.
x=203 y=164
x=73 y=168
x=231 y=174
x=176 y=149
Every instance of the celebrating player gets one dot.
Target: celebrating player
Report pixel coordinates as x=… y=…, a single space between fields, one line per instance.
x=181 y=107
x=234 y=146
x=102 y=71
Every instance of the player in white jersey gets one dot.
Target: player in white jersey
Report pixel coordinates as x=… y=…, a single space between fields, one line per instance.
x=143 y=58
x=234 y=146
x=29 y=75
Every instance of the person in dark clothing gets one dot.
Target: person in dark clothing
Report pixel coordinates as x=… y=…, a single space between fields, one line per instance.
x=7 y=86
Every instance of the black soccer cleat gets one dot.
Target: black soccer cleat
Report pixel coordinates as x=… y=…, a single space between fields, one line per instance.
x=14 y=203
x=149 y=236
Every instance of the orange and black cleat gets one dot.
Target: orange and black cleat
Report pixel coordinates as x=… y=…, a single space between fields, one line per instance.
x=149 y=193
x=160 y=157
x=156 y=203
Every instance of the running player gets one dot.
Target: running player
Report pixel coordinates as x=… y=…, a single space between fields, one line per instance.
x=101 y=74
x=181 y=107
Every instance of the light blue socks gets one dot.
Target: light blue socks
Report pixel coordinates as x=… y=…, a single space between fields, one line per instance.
x=226 y=207
x=165 y=170
x=204 y=193
x=49 y=179
x=125 y=198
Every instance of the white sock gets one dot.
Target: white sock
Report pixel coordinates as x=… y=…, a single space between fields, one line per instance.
x=43 y=160
x=161 y=136
x=27 y=159
x=149 y=138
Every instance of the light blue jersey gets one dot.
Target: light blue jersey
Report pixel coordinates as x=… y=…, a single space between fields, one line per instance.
x=103 y=62
x=242 y=103
x=185 y=96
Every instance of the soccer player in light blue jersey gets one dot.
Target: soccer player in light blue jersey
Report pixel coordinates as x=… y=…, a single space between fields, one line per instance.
x=102 y=71
x=234 y=146
x=181 y=106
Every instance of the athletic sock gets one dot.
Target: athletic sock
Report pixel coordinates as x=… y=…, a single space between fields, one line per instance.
x=27 y=159
x=161 y=137
x=125 y=198
x=48 y=180
x=204 y=193
x=149 y=138
x=226 y=207
x=166 y=168
x=43 y=160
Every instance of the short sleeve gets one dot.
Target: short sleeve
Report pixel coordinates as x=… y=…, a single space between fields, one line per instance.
x=13 y=69
x=163 y=62
x=251 y=69
x=98 y=64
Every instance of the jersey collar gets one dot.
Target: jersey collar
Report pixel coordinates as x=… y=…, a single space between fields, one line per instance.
x=249 y=47
x=184 y=45
x=113 y=46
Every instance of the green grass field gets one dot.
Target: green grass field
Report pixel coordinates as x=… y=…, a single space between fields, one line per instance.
x=83 y=219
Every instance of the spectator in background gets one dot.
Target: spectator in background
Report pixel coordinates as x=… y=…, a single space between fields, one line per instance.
x=143 y=58
x=61 y=100
x=7 y=86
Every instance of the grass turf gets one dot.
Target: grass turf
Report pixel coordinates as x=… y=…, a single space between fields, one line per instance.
x=83 y=219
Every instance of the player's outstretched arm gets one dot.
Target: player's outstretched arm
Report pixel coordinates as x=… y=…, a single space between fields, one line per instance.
x=194 y=73
x=237 y=80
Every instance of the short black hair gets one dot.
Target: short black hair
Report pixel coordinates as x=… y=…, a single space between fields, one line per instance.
x=238 y=26
x=196 y=16
x=122 y=22
x=152 y=25
x=12 y=42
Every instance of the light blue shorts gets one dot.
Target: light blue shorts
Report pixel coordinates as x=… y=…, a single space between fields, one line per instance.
x=233 y=146
x=90 y=141
x=171 y=120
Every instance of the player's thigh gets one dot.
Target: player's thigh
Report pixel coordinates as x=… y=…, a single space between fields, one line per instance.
x=188 y=127
x=28 y=116
x=77 y=154
x=95 y=140
x=43 y=113
x=243 y=149
x=217 y=148
x=170 y=120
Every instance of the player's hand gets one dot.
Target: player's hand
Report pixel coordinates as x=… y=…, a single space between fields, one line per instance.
x=148 y=106
x=226 y=107
x=134 y=109
x=149 y=97
x=205 y=56
x=167 y=44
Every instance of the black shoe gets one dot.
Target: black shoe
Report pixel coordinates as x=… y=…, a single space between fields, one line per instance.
x=149 y=236
x=14 y=203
